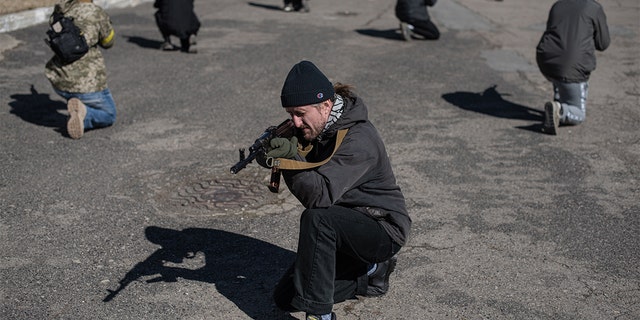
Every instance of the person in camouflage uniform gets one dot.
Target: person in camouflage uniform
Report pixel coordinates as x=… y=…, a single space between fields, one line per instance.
x=83 y=83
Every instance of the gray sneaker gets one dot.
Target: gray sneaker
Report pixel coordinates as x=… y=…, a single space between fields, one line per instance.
x=305 y=6
x=193 y=42
x=551 y=117
x=167 y=46
x=288 y=7
x=314 y=317
x=406 y=31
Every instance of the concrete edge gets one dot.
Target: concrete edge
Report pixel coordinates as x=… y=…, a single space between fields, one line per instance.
x=19 y=20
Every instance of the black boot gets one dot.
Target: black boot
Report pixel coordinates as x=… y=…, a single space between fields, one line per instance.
x=379 y=279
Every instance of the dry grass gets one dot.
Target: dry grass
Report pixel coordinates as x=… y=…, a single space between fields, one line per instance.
x=11 y=6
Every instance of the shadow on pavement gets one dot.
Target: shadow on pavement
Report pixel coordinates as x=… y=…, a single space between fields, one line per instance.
x=39 y=109
x=144 y=42
x=392 y=34
x=491 y=102
x=265 y=6
x=243 y=269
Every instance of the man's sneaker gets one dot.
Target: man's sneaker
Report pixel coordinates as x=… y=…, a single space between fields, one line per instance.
x=192 y=48
x=167 y=46
x=379 y=279
x=288 y=7
x=314 y=317
x=406 y=32
x=305 y=6
x=551 y=117
x=192 y=44
x=77 y=113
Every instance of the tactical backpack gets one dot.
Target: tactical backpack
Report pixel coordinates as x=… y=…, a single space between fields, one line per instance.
x=66 y=39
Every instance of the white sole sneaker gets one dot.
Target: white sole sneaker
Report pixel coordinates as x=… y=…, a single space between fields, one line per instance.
x=551 y=117
x=77 y=113
x=406 y=32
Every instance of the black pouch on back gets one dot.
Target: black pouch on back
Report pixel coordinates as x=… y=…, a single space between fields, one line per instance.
x=66 y=39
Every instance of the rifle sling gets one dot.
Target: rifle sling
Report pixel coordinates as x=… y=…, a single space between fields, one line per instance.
x=289 y=164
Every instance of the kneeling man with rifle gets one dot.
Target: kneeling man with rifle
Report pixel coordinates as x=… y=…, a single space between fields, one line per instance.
x=355 y=218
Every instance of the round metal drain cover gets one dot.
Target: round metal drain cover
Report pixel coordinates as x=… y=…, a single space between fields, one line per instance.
x=227 y=194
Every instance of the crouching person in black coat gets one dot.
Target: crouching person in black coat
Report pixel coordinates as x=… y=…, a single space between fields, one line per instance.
x=414 y=19
x=177 y=18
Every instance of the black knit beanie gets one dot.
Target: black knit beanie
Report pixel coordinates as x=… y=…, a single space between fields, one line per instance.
x=305 y=85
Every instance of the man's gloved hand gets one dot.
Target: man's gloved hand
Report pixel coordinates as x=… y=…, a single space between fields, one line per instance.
x=283 y=148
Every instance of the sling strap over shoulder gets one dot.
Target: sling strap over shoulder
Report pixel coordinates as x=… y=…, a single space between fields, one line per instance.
x=289 y=164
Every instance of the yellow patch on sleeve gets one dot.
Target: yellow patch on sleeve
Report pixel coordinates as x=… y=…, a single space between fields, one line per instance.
x=108 y=39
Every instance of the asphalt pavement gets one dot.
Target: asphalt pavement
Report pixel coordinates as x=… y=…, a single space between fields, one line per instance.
x=143 y=220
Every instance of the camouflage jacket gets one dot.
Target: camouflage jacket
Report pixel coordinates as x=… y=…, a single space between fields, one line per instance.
x=88 y=74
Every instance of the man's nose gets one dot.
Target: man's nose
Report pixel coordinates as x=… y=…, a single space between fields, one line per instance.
x=297 y=122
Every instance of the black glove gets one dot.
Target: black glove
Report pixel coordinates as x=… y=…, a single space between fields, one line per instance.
x=283 y=148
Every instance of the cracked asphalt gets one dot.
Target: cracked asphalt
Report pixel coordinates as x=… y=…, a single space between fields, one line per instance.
x=143 y=220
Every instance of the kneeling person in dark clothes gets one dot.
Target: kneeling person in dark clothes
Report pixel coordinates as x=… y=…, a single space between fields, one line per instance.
x=415 y=20
x=296 y=5
x=355 y=218
x=566 y=57
x=177 y=18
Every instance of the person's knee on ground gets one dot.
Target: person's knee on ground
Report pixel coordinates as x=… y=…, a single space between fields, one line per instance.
x=426 y=29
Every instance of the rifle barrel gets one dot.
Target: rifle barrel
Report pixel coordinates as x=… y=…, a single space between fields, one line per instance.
x=243 y=163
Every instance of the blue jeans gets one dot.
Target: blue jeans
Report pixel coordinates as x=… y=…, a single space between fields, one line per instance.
x=101 y=109
x=335 y=247
x=573 y=99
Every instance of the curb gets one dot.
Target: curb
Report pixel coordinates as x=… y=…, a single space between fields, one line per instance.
x=19 y=20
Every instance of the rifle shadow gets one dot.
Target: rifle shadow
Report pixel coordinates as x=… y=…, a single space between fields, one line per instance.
x=491 y=102
x=265 y=6
x=245 y=270
x=391 y=34
x=39 y=108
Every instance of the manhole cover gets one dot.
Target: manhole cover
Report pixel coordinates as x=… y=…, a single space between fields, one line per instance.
x=227 y=194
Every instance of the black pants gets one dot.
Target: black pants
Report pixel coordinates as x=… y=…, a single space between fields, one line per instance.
x=425 y=28
x=335 y=247
x=183 y=33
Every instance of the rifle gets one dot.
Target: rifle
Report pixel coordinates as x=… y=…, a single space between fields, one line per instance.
x=261 y=145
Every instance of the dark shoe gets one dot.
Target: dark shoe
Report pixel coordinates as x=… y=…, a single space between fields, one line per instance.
x=288 y=7
x=551 y=117
x=379 y=279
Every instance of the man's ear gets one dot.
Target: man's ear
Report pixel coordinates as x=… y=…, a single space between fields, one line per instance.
x=327 y=105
